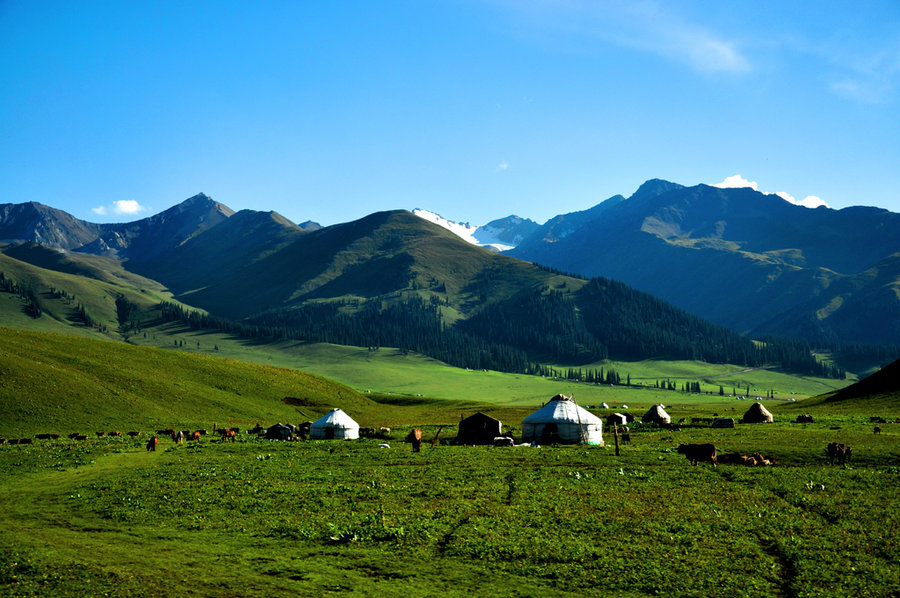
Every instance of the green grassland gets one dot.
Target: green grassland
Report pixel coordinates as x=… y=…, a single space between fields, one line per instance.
x=53 y=383
x=72 y=280
x=255 y=517
x=317 y=518
x=390 y=371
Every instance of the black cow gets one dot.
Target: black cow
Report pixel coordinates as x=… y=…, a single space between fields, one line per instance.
x=839 y=452
x=699 y=452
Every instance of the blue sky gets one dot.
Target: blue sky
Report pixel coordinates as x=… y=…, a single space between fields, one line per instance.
x=472 y=109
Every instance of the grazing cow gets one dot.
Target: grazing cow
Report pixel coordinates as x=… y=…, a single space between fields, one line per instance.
x=804 y=419
x=838 y=451
x=114 y=433
x=367 y=432
x=228 y=434
x=699 y=452
x=877 y=420
x=177 y=437
x=166 y=432
x=151 y=444
x=73 y=435
x=187 y=434
x=134 y=433
x=195 y=436
x=101 y=434
x=45 y=436
x=504 y=441
x=2 y=440
x=415 y=437
x=384 y=431
x=878 y=429
x=81 y=437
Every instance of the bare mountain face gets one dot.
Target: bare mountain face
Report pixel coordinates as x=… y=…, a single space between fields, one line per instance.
x=750 y=261
x=141 y=240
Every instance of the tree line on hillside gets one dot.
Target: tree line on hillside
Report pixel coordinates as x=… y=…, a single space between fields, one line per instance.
x=33 y=305
x=607 y=319
x=415 y=325
x=560 y=329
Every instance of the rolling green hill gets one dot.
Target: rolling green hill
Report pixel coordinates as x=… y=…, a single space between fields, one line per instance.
x=76 y=293
x=61 y=383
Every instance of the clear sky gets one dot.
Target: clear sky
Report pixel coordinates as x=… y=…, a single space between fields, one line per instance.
x=474 y=109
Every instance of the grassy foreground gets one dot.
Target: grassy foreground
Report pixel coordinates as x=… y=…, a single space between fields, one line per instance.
x=105 y=517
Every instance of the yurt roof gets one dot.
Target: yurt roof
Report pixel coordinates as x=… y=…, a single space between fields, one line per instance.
x=758 y=409
x=335 y=419
x=562 y=409
x=657 y=412
x=481 y=416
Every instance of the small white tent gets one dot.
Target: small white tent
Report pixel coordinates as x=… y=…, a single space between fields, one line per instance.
x=334 y=425
x=561 y=420
x=656 y=415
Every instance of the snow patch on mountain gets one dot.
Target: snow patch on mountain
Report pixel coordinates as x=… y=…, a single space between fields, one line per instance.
x=482 y=236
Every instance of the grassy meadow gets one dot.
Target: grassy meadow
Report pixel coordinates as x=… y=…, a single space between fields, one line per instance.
x=255 y=517
x=103 y=516
x=389 y=371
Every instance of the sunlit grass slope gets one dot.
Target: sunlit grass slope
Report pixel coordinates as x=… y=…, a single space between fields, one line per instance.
x=58 y=383
x=389 y=370
x=63 y=282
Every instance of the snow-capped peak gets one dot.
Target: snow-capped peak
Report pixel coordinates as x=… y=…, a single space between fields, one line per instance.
x=476 y=235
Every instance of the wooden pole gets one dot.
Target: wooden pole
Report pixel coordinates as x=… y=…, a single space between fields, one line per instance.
x=616 y=436
x=435 y=441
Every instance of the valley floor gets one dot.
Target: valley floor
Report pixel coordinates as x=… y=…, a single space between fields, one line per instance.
x=257 y=517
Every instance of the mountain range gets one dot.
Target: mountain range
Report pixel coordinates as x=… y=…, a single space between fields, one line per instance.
x=743 y=259
x=395 y=279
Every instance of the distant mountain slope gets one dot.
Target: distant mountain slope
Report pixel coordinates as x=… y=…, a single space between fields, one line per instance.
x=743 y=259
x=45 y=225
x=252 y=255
x=394 y=279
x=145 y=239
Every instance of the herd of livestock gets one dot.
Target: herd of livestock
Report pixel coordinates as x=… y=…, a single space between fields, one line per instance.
x=695 y=453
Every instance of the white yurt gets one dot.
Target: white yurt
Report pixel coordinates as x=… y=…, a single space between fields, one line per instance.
x=656 y=415
x=334 y=425
x=562 y=421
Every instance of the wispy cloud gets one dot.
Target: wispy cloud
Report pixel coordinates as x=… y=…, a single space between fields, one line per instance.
x=502 y=166
x=871 y=79
x=646 y=25
x=122 y=207
x=736 y=181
